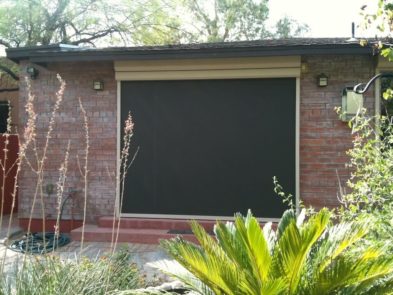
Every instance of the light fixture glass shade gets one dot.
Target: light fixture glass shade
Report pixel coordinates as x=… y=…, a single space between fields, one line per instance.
x=304 y=67
x=98 y=85
x=322 y=80
x=32 y=71
x=352 y=103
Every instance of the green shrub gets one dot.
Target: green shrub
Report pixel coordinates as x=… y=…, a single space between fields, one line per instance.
x=370 y=187
x=51 y=275
x=300 y=257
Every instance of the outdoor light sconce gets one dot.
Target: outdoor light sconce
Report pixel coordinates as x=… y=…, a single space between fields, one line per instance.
x=352 y=99
x=322 y=80
x=98 y=85
x=304 y=67
x=352 y=103
x=32 y=72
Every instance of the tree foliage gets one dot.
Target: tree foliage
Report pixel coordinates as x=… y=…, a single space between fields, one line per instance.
x=235 y=20
x=368 y=193
x=43 y=22
x=378 y=17
x=379 y=20
x=221 y=20
x=156 y=23
x=137 y=22
x=288 y=27
x=87 y=22
x=140 y=22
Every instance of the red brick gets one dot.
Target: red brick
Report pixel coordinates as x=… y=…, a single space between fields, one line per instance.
x=323 y=137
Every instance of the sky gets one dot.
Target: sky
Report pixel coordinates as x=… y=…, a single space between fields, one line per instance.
x=326 y=18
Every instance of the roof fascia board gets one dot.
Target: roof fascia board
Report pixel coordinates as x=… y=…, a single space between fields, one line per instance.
x=140 y=54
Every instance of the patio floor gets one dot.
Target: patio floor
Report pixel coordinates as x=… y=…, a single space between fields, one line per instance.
x=142 y=254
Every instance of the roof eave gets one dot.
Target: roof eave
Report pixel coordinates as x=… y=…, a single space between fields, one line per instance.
x=41 y=56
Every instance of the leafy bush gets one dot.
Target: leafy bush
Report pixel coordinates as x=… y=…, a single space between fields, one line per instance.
x=370 y=193
x=300 y=257
x=51 y=275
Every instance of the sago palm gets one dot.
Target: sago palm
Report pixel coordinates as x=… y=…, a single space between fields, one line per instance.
x=299 y=257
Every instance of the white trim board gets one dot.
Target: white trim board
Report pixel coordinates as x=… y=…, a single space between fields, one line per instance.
x=233 y=68
x=297 y=147
x=192 y=217
x=237 y=68
x=118 y=147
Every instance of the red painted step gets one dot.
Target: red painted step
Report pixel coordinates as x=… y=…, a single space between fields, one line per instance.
x=154 y=223
x=139 y=230
x=95 y=233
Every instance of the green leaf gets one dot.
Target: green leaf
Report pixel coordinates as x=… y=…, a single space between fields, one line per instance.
x=294 y=246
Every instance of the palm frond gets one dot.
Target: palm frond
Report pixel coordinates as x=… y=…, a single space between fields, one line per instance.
x=300 y=219
x=287 y=218
x=334 y=242
x=180 y=273
x=270 y=236
x=356 y=273
x=217 y=271
x=230 y=240
x=383 y=286
x=294 y=245
x=256 y=245
x=306 y=256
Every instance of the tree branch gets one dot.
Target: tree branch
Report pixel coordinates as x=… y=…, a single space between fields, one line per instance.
x=94 y=36
x=9 y=72
x=5 y=43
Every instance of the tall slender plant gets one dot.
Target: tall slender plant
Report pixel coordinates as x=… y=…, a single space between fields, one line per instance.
x=84 y=170
x=48 y=274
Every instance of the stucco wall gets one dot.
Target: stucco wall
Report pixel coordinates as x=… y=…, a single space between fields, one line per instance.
x=323 y=137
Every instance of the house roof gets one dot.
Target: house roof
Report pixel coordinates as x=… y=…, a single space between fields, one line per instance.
x=273 y=47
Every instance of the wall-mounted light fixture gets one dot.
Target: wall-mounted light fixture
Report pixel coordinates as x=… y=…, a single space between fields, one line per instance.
x=322 y=80
x=352 y=103
x=304 y=67
x=32 y=72
x=98 y=85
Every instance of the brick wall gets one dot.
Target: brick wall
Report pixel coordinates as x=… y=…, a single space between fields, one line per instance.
x=101 y=110
x=323 y=137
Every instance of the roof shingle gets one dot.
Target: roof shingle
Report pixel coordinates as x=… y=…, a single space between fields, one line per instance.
x=269 y=47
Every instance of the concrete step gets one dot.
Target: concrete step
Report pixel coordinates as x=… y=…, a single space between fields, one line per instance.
x=94 y=233
x=154 y=223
